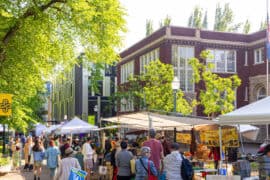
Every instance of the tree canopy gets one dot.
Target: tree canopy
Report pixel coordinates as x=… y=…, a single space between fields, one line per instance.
x=219 y=94
x=39 y=37
x=149 y=27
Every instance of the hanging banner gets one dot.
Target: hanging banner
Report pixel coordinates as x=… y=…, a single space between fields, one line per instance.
x=211 y=137
x=183 y=138
x=5 y=104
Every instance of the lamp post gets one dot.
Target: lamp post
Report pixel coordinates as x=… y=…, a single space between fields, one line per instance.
x=175 y=87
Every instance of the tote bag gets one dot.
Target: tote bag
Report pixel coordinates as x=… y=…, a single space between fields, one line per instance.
x=77 y=174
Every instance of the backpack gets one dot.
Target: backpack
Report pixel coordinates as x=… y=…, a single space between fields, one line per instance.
x=186 y=169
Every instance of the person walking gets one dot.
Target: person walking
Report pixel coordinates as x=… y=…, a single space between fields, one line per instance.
x=79 y=157
x=66 y=164
x=156 y=149
x=144 y=165
x=87 y=152
x=16 y=154
x=27 y=150
x=38 y=155
x=172 y=163
x=123 y=162
x=52 y=154
x=65 y=145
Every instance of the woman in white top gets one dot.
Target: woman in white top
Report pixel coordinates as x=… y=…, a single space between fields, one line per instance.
x=172 y=163
x=87 y=152
x=67 y=164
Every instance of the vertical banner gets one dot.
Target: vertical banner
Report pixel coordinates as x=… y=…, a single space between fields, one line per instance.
x=5 y=104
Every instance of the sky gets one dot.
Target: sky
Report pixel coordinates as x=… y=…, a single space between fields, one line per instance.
x=179 y=11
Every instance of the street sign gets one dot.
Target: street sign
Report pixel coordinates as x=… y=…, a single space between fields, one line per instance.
x=5 y=104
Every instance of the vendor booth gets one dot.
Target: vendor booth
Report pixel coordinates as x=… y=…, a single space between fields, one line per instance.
x=257 y=113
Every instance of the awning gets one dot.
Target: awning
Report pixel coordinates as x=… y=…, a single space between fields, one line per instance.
x=141 y=120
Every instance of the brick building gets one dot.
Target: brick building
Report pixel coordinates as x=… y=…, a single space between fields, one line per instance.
x=234 y=53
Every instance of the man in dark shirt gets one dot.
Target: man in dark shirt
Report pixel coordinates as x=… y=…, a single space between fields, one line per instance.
x=66 y=144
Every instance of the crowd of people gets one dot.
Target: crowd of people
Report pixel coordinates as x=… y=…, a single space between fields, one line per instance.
x=61 y=155
x=153 y=157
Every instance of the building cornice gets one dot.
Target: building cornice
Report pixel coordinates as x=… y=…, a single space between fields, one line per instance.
x=197 y=39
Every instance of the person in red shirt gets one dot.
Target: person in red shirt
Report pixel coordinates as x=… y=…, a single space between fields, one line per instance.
x=215 y=154
x=156 y=149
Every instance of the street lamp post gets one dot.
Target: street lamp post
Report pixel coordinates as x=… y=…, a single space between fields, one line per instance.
x=175 y=87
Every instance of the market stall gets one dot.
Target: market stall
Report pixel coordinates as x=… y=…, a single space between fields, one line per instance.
x=256 y=113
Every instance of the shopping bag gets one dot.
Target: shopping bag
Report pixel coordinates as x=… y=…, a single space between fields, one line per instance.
x=132 y=166
x=162 y=176
x=77 y=174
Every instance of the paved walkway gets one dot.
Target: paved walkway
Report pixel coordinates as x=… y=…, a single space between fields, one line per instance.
x=26 y=175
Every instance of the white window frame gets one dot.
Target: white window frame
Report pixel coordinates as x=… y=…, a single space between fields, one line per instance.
x=260 y=61
x=176 y=55
x=147 y=58
x=225 y=58
x=259 y=96
x=246 y=58
x=127 y=70
x=246 y=93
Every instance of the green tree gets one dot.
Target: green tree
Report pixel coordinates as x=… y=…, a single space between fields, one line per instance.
x=219 y=93
x=224 y=19
x=149 y=27
x=195 y=19
x=39 y=37
x=205 y=21
x=246 y=27
x=263 y=25
x=166 y=22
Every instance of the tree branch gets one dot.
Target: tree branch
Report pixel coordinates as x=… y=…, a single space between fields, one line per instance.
x=28 y=13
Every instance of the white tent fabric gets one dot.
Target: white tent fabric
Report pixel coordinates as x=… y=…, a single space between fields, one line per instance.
x=141 y=120
x=249 y=131
x=254 y=113
x=52 y=128
x=40 y=128
x=75 y=126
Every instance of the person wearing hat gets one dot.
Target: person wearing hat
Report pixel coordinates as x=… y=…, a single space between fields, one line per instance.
x=143 y=164
x=76 y=144
x=156 y=149
x=66 y=144
x=66 y=164
x=264 y=162
x=172 y=163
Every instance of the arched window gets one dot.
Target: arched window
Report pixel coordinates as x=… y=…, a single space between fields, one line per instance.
x=261 y=93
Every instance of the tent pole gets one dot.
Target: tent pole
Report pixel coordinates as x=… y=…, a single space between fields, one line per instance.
x=267 y=133
x=220 y=145
x=241 y=140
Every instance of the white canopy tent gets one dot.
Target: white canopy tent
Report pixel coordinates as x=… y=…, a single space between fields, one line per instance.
x=40 y=129
x=75 y=126
x=254 y=113
x=144 y=120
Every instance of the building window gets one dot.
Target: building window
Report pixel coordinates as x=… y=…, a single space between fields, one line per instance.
x=246 y=58
x=224 y=60
x=182 y=68
x=127 y=70
x=246 y=94
x=261 y=93
x=126 y=105
x=147 y=58
x=258 y=56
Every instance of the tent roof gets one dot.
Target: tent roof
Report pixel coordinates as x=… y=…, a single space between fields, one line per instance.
x=76 y=125
x=140 y=120
x=254 y=113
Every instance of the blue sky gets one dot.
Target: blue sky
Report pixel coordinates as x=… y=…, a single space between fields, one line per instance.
x=179 y=10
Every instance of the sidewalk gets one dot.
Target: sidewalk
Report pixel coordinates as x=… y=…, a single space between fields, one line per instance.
x=26 y=175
